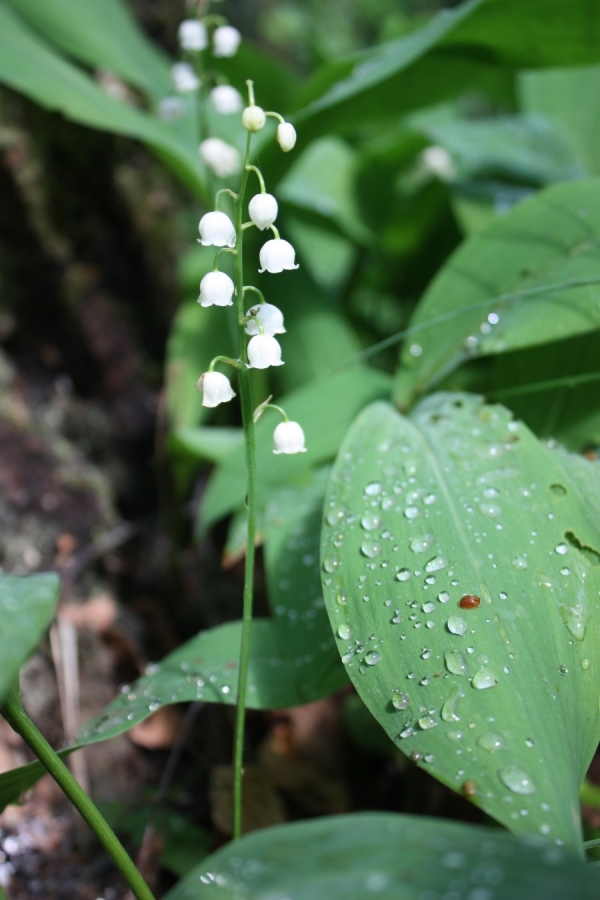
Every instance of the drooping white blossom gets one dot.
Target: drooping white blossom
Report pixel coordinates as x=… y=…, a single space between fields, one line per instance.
x=222 y=158
x=277 y=255
x=262 y=209
x=264 y=351
x=286 y=136
x=438 y=162
x=226 y=99
x=226 y=40
x=288 y=437
x=192 y=35
x=216 y=230
x=270 y=318
x=216 y=289
x=254 y=118
x=215 y=388
x=184 y=78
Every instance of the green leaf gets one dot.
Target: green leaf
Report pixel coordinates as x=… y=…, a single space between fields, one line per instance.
x=202 y=444
x=328 y=255
x=101 y=34
x=461 y=500
x=393 y=857
x=318 y=340
x=292 y=532
x=32 y=68
x=325 y=408
x=27 y=605
x=533 y=273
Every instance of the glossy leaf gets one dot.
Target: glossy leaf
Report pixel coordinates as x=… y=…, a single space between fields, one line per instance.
x=293 y=519
x=527 y=279
x=101 y=34
x=493 y=695
x=389 y=856
x=27 y=605
x=31 y=67
x=325 y=408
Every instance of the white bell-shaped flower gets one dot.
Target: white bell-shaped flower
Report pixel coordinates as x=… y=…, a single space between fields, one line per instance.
x=254 y=118
x=184 y=78
x=216 y=289
x=288 y=437
x=277 y=255
x=222 y=158
x=192 y=35
x=215 y=388
x=438 y=162
x=216 y=230
x=270 y=318
x=286 y=136
x=226 y=99
x=264 y=351
x=226 y=40
x=262 y=209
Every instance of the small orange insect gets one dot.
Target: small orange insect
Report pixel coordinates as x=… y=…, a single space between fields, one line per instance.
x=469 y=788
x=469 y=601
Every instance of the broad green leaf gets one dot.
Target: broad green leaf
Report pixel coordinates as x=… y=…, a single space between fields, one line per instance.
x=317 y=341
x=392 y=857
x=529 y=278
x=547 y=387
x=479 y=42
x=498 y=700
x=571 y=99
x=293 y=519
x=32 y=68
x=212 y=444
x=328 y=255
x=16 y=782
x=27 y=605
x=101 y=34
x=325 y=408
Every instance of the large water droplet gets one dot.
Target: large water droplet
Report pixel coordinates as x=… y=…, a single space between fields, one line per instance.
x=371 y=548
x=585 y=663
x=372 y=658
x=370 y=521
x=400 y=700
x=335 y=516
x=422 y=542
x=427 y=722
x=450 y=707
x=404 y=575
x=429 y=499
x=517 y=780
x=519 y=562
x=491 y=742
x=373 y=489
x=437 y=563
x=443 y=597
x=492 y=510
x=412 y=512
x=483 y=679
x=345 y=632
x=458 y=625
x=561 y=549
x=456 y=663
x=331 y=563
x=428 y=607
x=455 y=735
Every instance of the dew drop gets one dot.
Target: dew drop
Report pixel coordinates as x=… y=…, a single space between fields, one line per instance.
x=491 y=742
x=484 y=679
x=335 y=516
x=455 y=735
x=585 y=663
x=412 y=512
x=428 y=607
x=456 y=663
x=519 y=562
x=437 y=563
x=429 y=499
x=345 y=632
x=373 y=658
x=422 y=542
x=565 y=570
x=564 y=670
x=561 y=549
x=404 y=575
x=373 y=489
x=371 y=548
x=331 y=563
x=457 y=625
x=427 y=722
x=370 y=522
x=443 y=597
x=400 y=700
x=517 y=780
x=450 y=707
x=397 y=617
x=492 y=510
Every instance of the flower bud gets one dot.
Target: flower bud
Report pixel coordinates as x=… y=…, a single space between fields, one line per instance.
x=226 y=40
x=286 y=136
x=222 y=158
x=215 y=388
x=262 y=209
x=184 y=78
x=264 y=351
x=192 y=35
x=216 y=289
x=253 y=118
x=269 y=316
x=438 y=162
x=226 y=99
x=216 y=230
x=288 y=437
x=277 y=255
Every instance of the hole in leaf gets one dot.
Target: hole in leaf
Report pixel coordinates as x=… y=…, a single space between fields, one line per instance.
x=558 y=489
x=592 y=556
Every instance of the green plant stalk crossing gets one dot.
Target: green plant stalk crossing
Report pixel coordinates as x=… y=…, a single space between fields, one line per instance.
x=248 y=423
x=18 y=719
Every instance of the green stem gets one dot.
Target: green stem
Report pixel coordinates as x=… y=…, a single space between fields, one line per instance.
x=248 y=422
x=255 y=290
x=259 y=175
x=18 y=719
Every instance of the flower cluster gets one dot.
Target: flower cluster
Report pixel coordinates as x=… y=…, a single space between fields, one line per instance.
x=262 y=321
